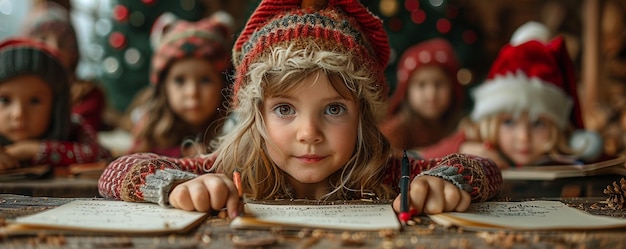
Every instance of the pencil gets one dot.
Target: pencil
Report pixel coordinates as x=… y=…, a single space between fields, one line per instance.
x=404 y=189
x=237 y=181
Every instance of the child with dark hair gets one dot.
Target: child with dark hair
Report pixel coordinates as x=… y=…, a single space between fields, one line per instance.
x=37 y=127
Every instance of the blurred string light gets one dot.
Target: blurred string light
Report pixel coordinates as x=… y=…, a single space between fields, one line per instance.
x=408 y=20
x=391 y=10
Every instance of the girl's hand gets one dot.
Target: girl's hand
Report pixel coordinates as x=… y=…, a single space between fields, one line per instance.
x=206 y=192
x=480 y=149
x=7 y=162
x=433 y=195
x=24 y=150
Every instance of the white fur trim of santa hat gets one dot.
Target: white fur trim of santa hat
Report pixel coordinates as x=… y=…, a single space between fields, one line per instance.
x=515 y=93
x=530 y=31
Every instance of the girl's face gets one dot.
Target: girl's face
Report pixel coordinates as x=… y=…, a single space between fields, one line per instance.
x=522 y=140
x=312 y=132
x=25 y=107
x=194 y=90
x=429 y=91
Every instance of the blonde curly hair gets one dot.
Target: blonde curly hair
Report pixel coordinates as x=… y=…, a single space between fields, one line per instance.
x=281 y=69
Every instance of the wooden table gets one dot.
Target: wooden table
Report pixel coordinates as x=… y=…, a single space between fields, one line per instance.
x=214 y=232
x=52 y=187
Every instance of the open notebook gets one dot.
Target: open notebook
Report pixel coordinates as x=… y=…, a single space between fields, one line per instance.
x=613 y=166
x=105 y=217
x=528 y=215
x=341 y=216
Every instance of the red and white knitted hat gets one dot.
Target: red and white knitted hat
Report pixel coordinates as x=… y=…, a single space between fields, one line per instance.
x=531 y=74
x=333 y=25
x=176 y=39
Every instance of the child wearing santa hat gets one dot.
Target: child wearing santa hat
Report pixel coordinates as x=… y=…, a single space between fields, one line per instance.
x=527 y=111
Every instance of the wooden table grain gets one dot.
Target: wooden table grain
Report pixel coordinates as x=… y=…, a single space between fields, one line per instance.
x=52 y=187
x=214 y=232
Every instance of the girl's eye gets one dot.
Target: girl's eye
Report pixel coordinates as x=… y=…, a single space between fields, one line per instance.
x=179 y=80
x=335 y=110
x=508 y=121
x=421 y=84
x=539 y=123
x=35 y=101
x=4 y=100
x=283 y=110
x=205 y=80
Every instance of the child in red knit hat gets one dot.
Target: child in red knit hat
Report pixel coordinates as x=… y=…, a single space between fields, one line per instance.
x=50 y=23
x=187 y=103
x=37 y=127
x=427 y=103
x=527 y=111
x=309 y=92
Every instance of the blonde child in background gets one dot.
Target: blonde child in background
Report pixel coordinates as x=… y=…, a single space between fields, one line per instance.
x=37 y=127
x=50 y=23
x=527 y=111
x=309 y=91
x=427 y=104
x=188 y=77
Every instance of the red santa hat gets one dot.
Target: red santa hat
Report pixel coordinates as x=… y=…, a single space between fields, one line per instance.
x=531 y=74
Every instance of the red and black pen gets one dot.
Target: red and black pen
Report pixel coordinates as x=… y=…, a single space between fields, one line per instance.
x=405 y=214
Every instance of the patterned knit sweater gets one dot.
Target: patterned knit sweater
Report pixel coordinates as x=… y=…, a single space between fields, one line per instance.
x=148 y=177
x=81 y=147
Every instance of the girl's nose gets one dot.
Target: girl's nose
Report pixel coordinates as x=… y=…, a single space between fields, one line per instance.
x=523 y=133
x=17 y=111
x=191 y=88
x=309 y=130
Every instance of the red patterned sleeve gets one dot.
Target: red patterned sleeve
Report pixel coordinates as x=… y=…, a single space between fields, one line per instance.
x=83 y=147
x=477 y=175
x=148 y=177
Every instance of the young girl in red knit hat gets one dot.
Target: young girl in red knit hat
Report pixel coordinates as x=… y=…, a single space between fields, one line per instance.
x=527 y=111
x=187 y=103
x=37 y=127
x=427 y=103
x=309 y=91
x=50 y=23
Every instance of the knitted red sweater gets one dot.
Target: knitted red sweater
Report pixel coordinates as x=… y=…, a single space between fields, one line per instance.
x=150 y=177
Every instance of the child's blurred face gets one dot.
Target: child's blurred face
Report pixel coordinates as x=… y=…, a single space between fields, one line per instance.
x=25 y=107
x=194 y=90
x=429 y=91
x=314 y=130
x=522 y=140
